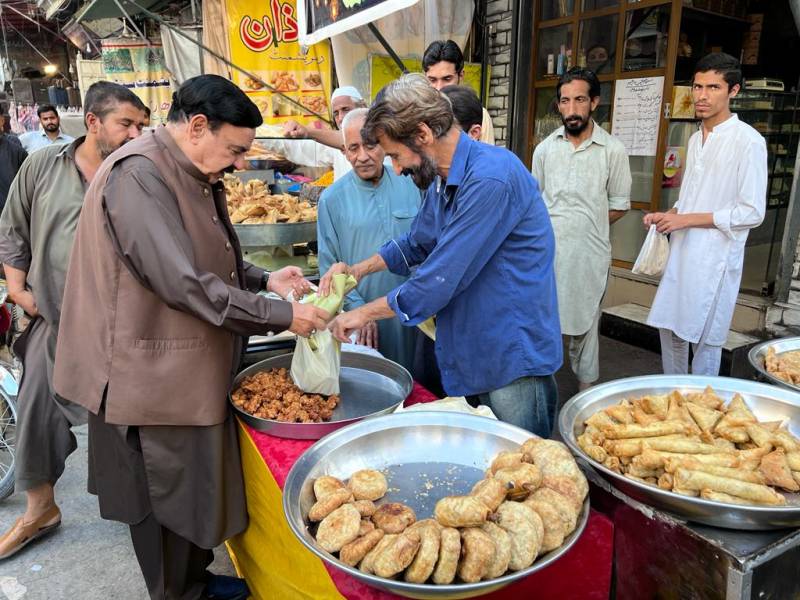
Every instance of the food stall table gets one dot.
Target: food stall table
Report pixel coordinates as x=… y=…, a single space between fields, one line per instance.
x=659 y=555
x=276 y=565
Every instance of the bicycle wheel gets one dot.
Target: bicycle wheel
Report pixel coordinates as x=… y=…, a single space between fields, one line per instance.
x=8 y=436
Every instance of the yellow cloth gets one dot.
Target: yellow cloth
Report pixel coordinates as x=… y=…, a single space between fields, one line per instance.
x=267 y=554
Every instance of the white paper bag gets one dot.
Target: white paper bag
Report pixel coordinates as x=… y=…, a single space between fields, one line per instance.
x=653 y=256
x=315 y=364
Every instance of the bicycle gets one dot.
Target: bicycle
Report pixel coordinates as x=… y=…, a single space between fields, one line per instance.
x=8 y=430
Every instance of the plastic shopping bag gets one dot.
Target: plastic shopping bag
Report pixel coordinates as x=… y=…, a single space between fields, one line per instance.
x=652 y=259
x=317 y=358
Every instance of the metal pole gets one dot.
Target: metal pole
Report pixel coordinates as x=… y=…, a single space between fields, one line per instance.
x=387 y=47
x=221 y=58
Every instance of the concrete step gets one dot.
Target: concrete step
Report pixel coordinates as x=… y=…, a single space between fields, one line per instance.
x=628 y=323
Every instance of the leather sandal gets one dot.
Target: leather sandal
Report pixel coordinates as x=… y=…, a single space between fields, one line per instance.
x=22 y=534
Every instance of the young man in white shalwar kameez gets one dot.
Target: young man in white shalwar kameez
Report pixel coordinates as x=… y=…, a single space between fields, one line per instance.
x=723 y=196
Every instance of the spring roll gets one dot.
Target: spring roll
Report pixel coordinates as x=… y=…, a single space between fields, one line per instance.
x=732 y=473
x=632 y=446
x=619 y=412
x=642 y=418
x=612 y=463
x=599 y=419
x=707 y=494
x=627 y=431
x=698 y=480
x=721 y=460
x=685 y=492
x=684 y=446
x=786 y=440
x=761 y=436
x=640 y=471
x=796 y=475
x=657 y=405
x=640 y=479
x=737 y=435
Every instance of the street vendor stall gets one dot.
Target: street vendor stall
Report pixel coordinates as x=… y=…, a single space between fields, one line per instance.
x=277 y=565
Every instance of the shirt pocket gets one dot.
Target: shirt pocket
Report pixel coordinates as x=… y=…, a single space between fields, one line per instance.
x=401 y=214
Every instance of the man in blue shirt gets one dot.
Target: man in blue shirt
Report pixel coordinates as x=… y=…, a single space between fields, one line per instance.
x=481 y=250
x=50 y=132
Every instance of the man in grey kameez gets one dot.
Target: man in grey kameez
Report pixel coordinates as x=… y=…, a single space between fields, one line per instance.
x=585 y=179
x=37 y=228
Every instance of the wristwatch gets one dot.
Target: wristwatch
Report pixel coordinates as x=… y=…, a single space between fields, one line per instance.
x=265 y=281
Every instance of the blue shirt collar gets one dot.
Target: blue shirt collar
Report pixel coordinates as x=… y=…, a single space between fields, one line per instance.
x=459 y=164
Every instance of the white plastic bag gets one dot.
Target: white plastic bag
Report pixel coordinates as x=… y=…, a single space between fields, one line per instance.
x=653 y=256
x=316 y=362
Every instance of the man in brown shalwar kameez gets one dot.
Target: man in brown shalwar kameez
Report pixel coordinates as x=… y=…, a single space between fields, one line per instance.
x=157 y=304
x=37 y=229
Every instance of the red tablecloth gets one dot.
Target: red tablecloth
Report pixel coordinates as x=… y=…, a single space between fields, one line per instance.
x=584 y=573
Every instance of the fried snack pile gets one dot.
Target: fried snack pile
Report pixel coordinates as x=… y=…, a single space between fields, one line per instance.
x=527 y=504
x=273 y=395
x=692 y=444
x=259 y=152
x=251 y=204
x=785 y=366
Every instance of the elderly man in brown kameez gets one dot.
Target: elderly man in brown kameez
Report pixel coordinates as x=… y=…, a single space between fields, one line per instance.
x=157 y=304
x=37 y=228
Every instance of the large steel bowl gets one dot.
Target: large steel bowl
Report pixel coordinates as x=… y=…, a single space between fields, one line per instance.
x=758 y=353
x=768 y=403
x=275 y=234
x=370 y=386
x=426 y=456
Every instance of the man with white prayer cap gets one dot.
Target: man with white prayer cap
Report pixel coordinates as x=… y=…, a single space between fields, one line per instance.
x=321 y=147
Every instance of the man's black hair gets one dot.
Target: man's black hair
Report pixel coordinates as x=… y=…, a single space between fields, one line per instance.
x=103 y=96
x=580 y=74
x=43 y=108
x=466 y=105
x=218 y=99
x=724 y=64
x=443 y=50
x=147 y=111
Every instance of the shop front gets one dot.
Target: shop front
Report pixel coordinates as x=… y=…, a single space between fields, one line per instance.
x=644 y=54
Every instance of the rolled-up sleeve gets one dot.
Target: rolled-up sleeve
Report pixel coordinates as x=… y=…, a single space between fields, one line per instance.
x=15 y=222
x=468 y=241
x=750 y=204
x=146 y=230
x=619 y=179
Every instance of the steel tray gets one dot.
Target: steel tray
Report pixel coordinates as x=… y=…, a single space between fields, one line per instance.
x=758 y=353
x=769 y=403
x=425 y=456
x=370 y=386
x=275 y=234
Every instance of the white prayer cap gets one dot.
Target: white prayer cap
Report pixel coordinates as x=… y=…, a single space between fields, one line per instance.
x=346 y=90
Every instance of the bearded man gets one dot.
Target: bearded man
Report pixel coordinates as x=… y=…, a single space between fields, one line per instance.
x=585 y=179
x=483 y=250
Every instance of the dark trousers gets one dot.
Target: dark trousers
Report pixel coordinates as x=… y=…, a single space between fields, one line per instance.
x=173 y=567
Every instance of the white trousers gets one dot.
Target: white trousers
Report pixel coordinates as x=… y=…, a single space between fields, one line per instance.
x=584 y=353
x=675 y=355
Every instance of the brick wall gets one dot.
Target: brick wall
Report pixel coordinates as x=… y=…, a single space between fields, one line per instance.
x=498 y=16
x=783 y=318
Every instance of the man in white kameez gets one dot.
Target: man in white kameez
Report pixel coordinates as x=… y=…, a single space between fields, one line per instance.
x=723 y=196
x=312 y=147
x=585 y=178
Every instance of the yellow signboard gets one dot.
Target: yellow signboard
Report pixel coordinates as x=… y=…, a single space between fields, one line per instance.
x=263 y=41
x=383 y=70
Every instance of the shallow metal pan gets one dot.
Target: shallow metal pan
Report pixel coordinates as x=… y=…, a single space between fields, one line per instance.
x=758 y=353
x=768 y=403
x=370 y=386
x=426 y=456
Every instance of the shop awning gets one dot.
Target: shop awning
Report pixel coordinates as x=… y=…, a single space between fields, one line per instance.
x=108 y=9
x=319 y=22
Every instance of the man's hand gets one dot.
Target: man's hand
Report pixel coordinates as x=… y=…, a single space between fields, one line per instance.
x=343 y=326
x=307 y=319
x=293 y=129
x=336 y=269
x=368 y=335
x=26 y=301
x=286 y=280
x=666 y=222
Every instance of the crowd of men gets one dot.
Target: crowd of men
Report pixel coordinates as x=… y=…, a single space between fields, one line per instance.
x=119 y=248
